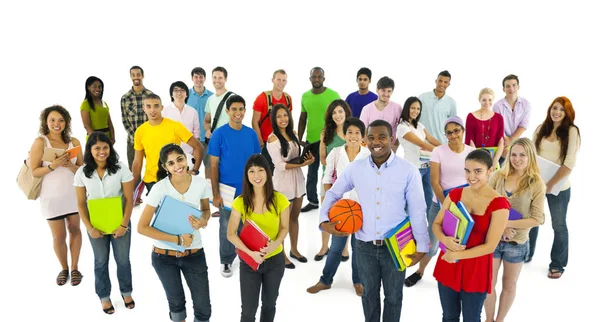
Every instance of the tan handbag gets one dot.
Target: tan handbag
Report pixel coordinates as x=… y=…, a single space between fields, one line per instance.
x=30 y=185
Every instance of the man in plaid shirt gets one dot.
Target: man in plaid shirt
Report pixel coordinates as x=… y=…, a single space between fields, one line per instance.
x=132 y=108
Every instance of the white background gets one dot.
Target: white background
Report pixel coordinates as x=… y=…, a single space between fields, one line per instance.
x=49 y=49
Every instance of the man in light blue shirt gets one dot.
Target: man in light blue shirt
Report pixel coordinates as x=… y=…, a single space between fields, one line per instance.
x=437 y=107
x=389 y=189
x=197 y=99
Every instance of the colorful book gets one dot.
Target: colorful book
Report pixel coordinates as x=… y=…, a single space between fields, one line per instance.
x=514 y=215
x=227 y=194
x=106 y=214
x=469 y=224
x=255 y=239
x=491 y=149
x=399 y=242
x=137 y=193
x=449 y=227
x=447 y=191
x=171 y=217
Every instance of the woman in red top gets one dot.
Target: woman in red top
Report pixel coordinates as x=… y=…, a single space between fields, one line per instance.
x=484 y=127
x=464 y=272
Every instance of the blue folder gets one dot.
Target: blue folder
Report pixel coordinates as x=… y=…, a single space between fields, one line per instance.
x=171 y=217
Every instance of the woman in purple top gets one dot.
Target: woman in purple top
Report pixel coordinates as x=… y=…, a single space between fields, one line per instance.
x=484 y=127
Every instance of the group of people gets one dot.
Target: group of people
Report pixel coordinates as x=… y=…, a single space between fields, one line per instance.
x=443 y=162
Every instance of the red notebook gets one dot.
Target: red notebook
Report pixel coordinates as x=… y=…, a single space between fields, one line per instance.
x=255 y=239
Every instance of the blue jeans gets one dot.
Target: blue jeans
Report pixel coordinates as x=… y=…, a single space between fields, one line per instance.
x=194 y=269
x=559 y=254
x=101 y=248
x=434 y=243
x=375 y=266
x=427 y=190
x=268 y=277
x=471 y=302
x=311 y=181
x=334 y=257
x=226 y=248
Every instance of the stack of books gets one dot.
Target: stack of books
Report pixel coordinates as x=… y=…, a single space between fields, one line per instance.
x=457 y=223
x=401 y=243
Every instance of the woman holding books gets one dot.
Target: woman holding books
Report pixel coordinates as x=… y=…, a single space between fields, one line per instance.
x=169 y=263
x=519 y=180
x=446 y=172
x=337 y=161
x=269 y=212
x=557 y=140
x=107 y=181
x=332 y=137
x=283 y=145
x=94 y=111
x=57 y=196
x=464 y=270
x=485 y=128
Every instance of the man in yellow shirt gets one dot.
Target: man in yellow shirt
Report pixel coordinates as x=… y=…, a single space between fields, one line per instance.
x=157 y=132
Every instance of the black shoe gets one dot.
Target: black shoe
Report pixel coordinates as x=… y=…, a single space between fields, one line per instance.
x=528 y=259
x=320 y=257
x=300 y=258
x=309 y=207
x=413 y=279
x=290 y=265
x=345 y=258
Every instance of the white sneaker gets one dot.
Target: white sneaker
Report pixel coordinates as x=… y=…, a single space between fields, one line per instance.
x=226 y=270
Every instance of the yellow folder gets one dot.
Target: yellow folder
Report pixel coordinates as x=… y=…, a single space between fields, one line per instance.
x=106 y=214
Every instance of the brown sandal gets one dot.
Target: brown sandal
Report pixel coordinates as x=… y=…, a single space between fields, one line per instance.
x=62 y=277
x=76 y=277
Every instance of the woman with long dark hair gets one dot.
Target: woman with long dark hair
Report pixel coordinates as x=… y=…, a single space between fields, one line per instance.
x=270 y=211
x=94 y=111
x=283 y=145
x=175 y=181
x=557 y=140
x=104 y=176
x=57 y=196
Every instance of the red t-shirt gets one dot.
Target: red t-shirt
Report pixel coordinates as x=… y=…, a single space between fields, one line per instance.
x=260 y=105
x=473 y=274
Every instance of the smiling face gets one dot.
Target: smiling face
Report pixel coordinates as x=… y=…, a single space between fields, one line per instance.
x=279 y=81
x=557 y=113
x=198 y=80
x=385 y=94
x=511 y=87
x=218 y=79
x=317 y=77
x=353 y=136
x=379 y=142
x=283 y=119
x=153 y=108
x=56 y=122
x=454 y=133
x=100 y=151
x=179 y=93
x=486 y=100
x=476 y=173
x=257 y=176
x=415 y=110
x=136 y=77
x=236 y=112
x=176 y=164
x=442 y=83
x=95 y=89
x=518 y=158
x=338 y=115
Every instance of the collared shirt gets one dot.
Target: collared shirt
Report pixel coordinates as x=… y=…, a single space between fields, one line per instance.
x=386 y=194
x=198 y=102
x=435 y=112
x=337 y=161
x=513 y=119
x=188 y=117
x=132 y=111
x=107 y=187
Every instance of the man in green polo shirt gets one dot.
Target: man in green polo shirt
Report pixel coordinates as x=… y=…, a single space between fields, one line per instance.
x=312 y=119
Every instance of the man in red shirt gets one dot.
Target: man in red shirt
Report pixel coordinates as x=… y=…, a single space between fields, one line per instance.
x=261 y=120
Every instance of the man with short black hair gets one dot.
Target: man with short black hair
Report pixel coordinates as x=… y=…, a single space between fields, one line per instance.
x=437 y=107
x=363 y=96
x=197 y=98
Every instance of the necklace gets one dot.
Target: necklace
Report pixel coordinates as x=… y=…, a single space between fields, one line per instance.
x=485 y=135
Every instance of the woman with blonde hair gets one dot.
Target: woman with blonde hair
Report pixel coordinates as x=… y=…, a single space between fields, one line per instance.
x=484 y=127
x=520 y=182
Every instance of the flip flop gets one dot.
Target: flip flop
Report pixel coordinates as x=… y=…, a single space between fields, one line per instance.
x=552 y=273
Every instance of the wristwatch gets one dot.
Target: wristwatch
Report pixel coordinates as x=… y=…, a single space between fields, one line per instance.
x=195 y=172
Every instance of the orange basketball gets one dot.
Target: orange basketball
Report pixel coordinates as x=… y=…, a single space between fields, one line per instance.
x=348 y=213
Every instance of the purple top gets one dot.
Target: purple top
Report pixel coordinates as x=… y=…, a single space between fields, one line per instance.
x=513 y=119
x=384 y=194
x=357 y=101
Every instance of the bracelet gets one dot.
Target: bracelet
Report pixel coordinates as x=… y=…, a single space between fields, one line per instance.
x=50 y=168
x=179 y=240
x=125 y=227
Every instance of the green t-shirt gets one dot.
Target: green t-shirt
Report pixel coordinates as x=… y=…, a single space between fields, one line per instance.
x=315 y=106
x=268 y=222
x=98 y=117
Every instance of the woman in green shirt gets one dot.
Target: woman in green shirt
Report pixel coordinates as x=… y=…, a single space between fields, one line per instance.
x=269 y=211
x=94 y=111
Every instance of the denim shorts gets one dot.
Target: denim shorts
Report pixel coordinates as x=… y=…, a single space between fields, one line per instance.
x=512 y=252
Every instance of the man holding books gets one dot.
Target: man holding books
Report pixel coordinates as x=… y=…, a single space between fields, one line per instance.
x=390 y=190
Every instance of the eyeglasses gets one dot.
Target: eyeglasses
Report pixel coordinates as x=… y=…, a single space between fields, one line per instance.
x=179 y=90
x=456 y=131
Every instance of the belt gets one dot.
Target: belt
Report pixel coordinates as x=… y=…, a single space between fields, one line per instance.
x=379 y=242
x=514 y=243
x=103 y=130
x=424 y=165
x=175 y=253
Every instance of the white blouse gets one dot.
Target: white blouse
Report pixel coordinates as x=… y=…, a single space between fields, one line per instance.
x=107 y=187
x=338 y=160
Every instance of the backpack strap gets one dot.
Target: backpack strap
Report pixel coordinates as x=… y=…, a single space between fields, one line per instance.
x=219 y=109
x=270 y=105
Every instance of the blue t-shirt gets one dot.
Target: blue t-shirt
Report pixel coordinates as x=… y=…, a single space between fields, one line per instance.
x=357 y=102
x=198 y=102
x=233 y=147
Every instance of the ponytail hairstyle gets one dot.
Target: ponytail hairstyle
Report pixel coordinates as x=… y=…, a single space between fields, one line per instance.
x=258 y=160
x=162 y=160
x=482 y=156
